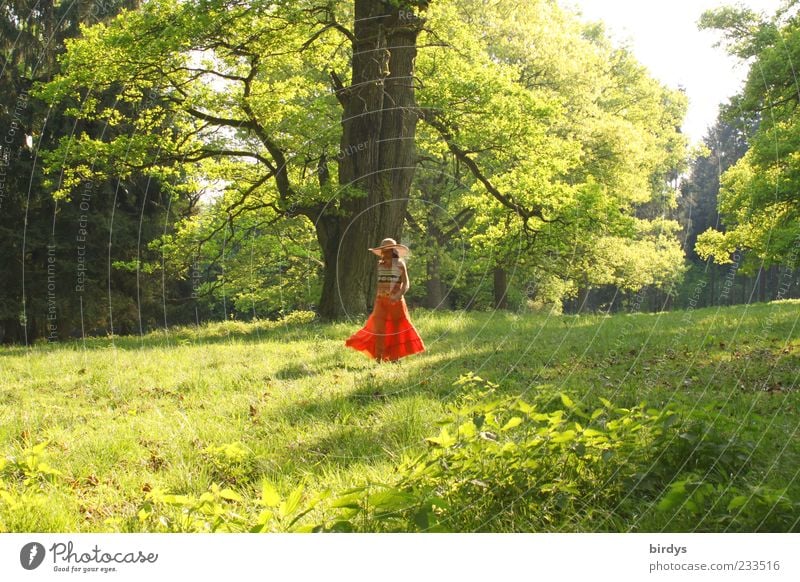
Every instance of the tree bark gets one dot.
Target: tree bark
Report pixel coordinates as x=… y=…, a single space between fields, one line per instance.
x=500 y=288
x=377 y=155
x=434 y=295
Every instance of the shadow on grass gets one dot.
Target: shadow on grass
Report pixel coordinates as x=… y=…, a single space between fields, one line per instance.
x=315 y=367
x=374 y=418
x=250 y=332
x=434 y=324
x=343 y=447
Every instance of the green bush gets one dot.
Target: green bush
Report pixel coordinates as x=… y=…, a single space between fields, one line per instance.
x=504 y=464
x=725 y=506
x=229 y=463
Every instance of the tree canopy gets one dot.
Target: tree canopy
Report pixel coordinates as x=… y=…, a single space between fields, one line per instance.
x=296 y=137
x=758 y=202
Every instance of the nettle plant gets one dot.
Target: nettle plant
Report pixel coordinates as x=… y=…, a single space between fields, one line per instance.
x=225 y=510
x=501 y=463
x=229 y=463
x=29 y=468
x=27 y=479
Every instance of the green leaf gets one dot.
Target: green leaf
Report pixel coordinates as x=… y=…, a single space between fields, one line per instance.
x=677 y=494
x=174 y=499
x=265 y=516
x=39 y=449
x=392 y=500
x=467 y=429
x=525 y=408
x=269 y=496
x=564 y=437
x=512 y=422
x=230 y=495
x=299 y=516
x=737 y=502
x=567 y=401
x=509 y=447
x=347 y=513
x=353 y=491
x=292 y=502
x=352 y=501
x=444 y=440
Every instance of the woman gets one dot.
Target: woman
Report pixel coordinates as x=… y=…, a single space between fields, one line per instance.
x=388 y=334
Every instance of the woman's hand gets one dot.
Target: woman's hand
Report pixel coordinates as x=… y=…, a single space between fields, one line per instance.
x=396 y=296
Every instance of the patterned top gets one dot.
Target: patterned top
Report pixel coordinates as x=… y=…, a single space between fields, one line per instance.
x=389 y=278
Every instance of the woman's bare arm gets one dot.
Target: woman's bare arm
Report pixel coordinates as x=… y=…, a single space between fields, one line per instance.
x=404 y=281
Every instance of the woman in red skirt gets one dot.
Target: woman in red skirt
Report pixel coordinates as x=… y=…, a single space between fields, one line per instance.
x=388 y=334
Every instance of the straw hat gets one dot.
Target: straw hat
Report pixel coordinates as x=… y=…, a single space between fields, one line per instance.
x=390 y=243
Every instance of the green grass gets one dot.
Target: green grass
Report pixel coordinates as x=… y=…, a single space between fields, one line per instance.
x=235 y=404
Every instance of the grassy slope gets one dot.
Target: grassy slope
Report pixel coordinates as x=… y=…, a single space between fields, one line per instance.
x=125 y=416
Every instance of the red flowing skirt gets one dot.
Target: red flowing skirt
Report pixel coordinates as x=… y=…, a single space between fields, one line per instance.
x=388 y=333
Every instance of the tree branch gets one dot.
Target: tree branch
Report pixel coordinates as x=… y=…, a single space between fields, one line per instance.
x=461 y=219
x=203 y=154
x=342 y=93
x=225 y=121
x=506 y=200
x=415 y=226
x=281 y=167
x=328 y=26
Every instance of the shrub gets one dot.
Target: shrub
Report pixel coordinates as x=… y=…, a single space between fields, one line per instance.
x=229 y=463
x=504 y=464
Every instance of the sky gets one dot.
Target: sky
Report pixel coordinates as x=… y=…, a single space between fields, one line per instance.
x=664 y=37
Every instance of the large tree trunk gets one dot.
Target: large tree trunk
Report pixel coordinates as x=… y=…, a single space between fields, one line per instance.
x=377 y=155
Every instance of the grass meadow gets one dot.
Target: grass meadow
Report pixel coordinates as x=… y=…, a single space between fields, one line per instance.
x=240 y=426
